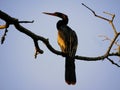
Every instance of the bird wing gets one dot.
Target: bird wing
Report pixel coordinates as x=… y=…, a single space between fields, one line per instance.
x=67 y=40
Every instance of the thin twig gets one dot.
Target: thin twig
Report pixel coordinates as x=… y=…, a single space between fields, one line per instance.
x=95 y=13
x=110 y=21
x=4 y=35
x=109 y=14
x=114 y=29
x=37 y=49
x=113 y=62
x=26 y=21
x=113 y=41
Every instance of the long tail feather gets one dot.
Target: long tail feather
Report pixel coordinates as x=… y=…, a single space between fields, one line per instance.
x=70 y=76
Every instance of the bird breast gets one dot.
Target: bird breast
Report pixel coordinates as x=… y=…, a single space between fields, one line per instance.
x=61 y=42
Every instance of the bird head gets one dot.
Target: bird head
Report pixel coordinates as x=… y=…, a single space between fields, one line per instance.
x=58 y=14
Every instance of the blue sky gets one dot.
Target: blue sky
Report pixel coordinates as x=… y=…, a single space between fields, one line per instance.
x=20 y=71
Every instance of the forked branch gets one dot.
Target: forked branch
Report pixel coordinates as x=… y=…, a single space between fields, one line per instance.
x=10 y=20
x=116 y=34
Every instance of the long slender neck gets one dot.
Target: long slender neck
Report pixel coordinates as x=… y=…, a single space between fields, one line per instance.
x=62 y=23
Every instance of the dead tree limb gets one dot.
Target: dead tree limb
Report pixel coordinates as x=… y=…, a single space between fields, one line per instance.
x=10 y=20
x=116 y=34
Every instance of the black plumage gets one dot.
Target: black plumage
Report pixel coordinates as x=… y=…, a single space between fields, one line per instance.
x=67 y=40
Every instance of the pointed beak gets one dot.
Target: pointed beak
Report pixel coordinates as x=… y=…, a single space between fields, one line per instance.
x=53 y=14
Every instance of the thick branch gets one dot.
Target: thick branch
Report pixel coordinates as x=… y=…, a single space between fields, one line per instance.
x=15 y=22
x=102 y=57
x=35 y=37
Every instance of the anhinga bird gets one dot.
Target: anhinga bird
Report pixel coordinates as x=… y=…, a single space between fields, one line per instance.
x=67 y=40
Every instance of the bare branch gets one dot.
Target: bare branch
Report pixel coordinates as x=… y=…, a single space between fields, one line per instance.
x=105 y=37
x=114 y=29
x=35 y=38
x=3 y=37
x=113 y=62
x=109 y=14
x=26 y=21
x=110 y=21
x=113 y=41
x=98 y=58
x=95 y=13
x=37 y=49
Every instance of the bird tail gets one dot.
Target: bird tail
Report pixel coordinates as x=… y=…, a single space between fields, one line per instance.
x=70 y=76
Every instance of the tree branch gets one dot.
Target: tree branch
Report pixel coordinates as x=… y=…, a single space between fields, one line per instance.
x=95 y=13
x=113 y=62
x=110 y=21
x=3 y=37
x=26 y=21
x=10 y=20
x=37 y=49
x=116 y=34
x=15 y=22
